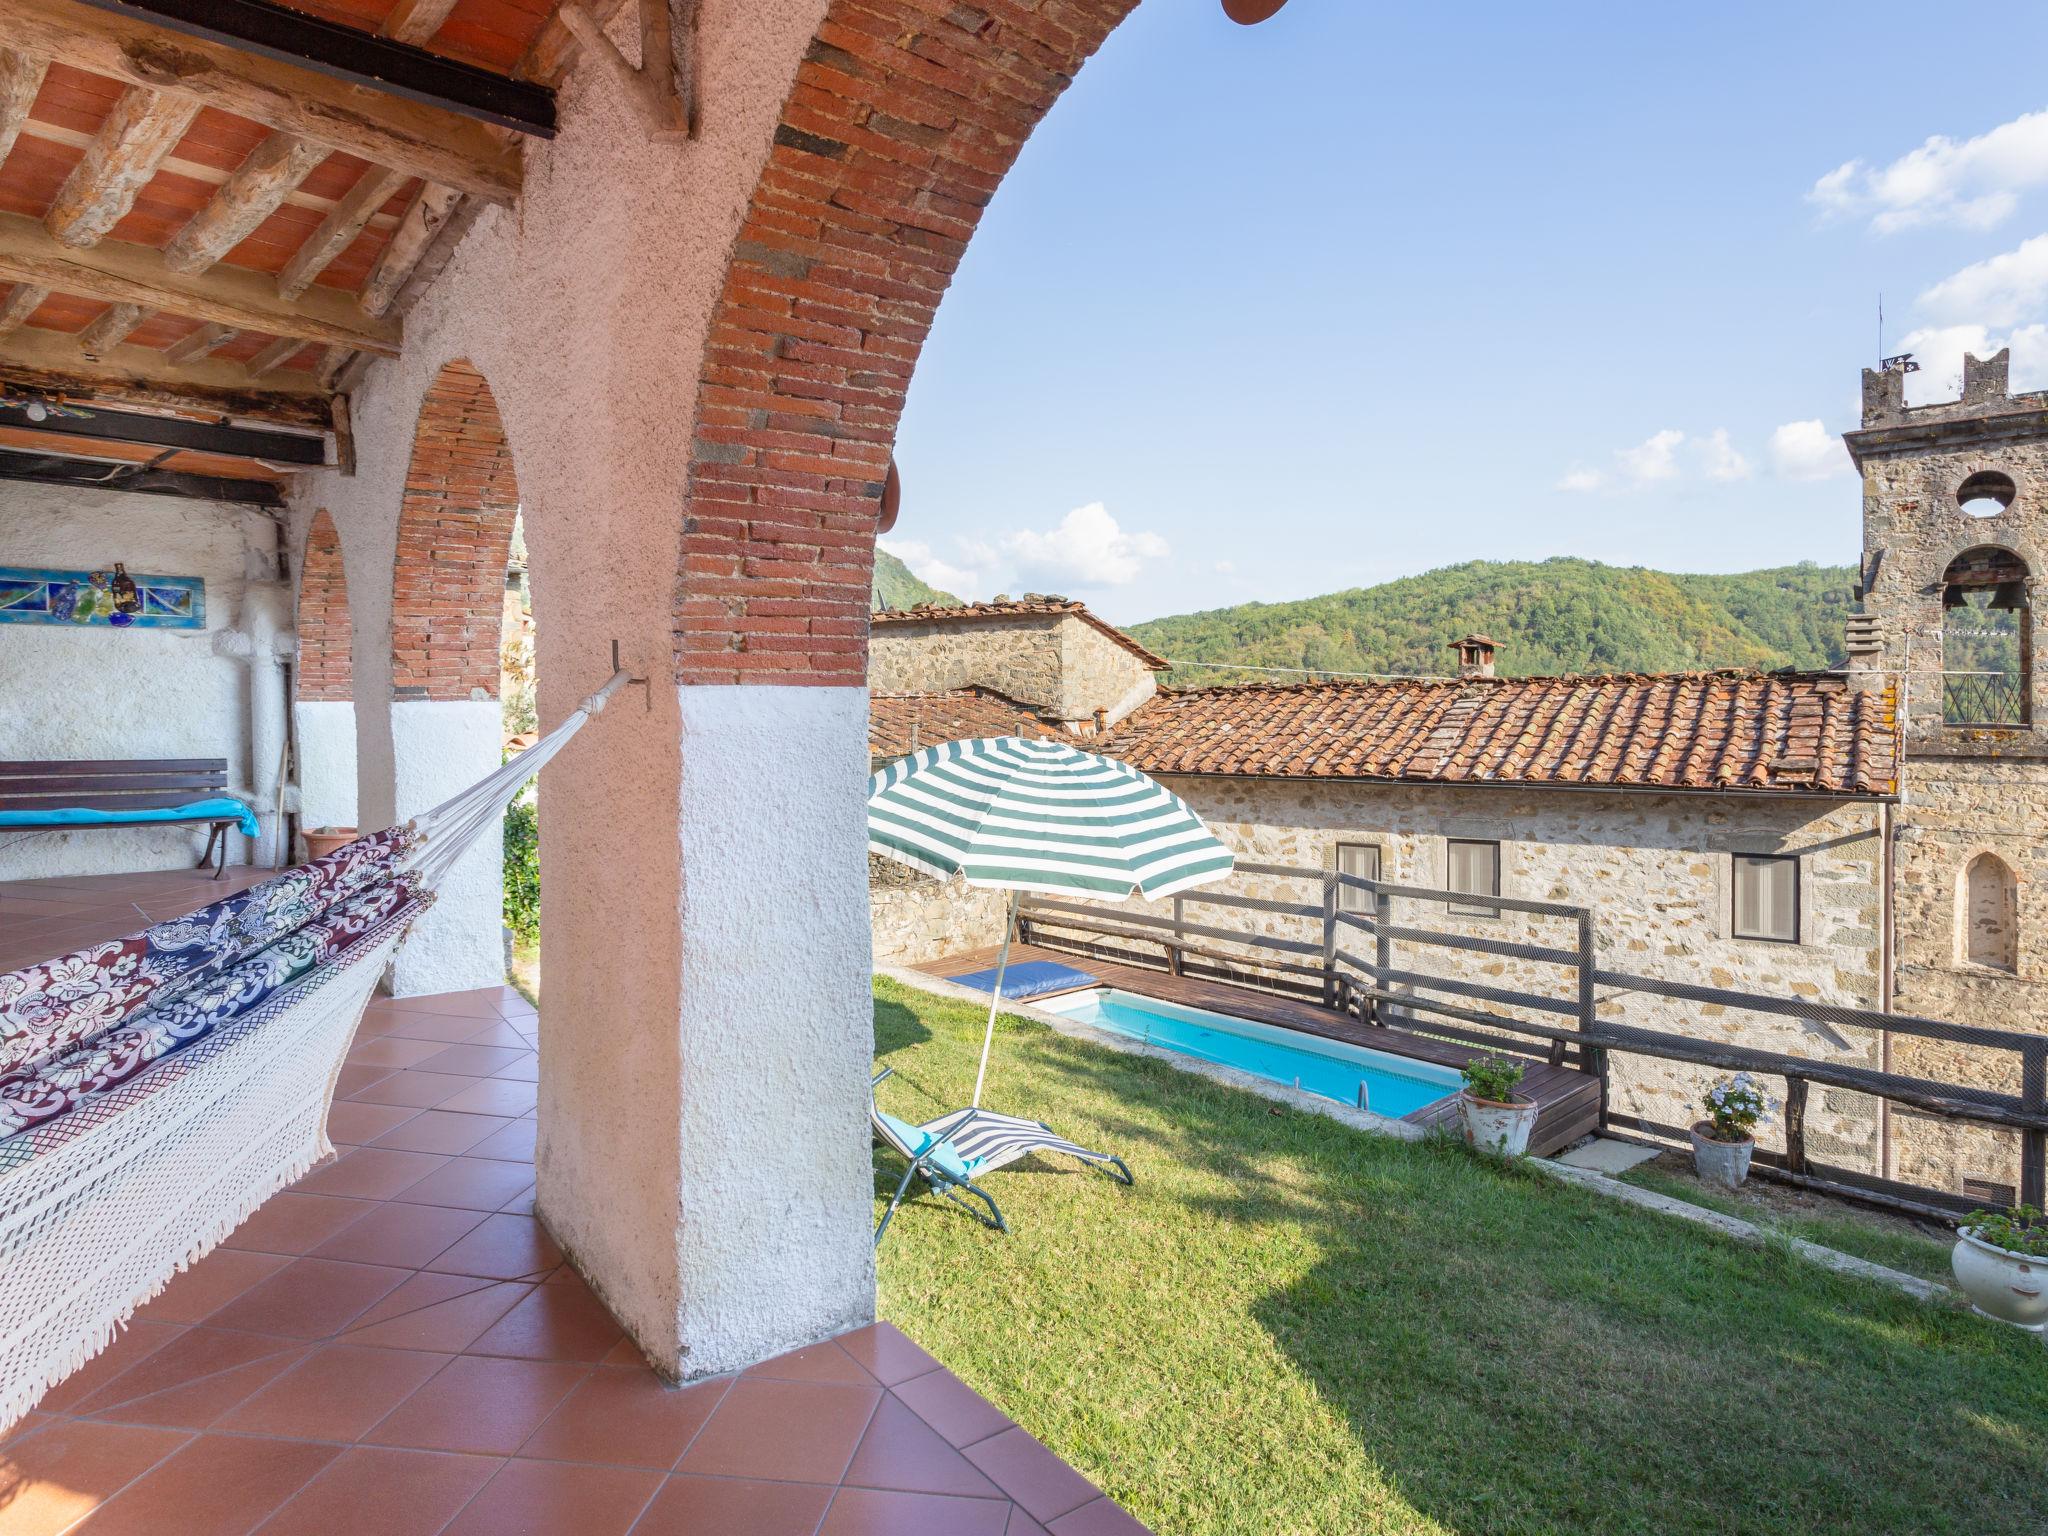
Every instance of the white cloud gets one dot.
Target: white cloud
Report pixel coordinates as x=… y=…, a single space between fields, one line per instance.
x=1974 y=183
x=1939 y=350
x=1807 y=450
x=1719 y=459
x=1579 y=478
x=1654 y=458
x=1998 y=290
x=929 y=568
x=1086 y=549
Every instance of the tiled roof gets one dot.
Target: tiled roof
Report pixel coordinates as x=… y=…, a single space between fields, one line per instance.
x=1005 y=608
x=1791 y=732
x=900 y=723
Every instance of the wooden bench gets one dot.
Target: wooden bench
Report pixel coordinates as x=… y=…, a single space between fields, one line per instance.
x=135 y=784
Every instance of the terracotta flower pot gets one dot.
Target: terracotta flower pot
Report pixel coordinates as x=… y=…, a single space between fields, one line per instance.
x=324 y=840
x=1495 y=1127
x=1720 y=1162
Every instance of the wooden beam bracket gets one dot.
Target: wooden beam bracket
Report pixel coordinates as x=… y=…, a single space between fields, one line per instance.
x=662 y=90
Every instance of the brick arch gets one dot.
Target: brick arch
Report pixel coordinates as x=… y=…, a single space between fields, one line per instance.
x=454 y=537
x=326 y=671
x=903 y=120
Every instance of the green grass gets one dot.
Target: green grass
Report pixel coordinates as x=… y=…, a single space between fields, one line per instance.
x=1290 y=1327
x=1875 y=1238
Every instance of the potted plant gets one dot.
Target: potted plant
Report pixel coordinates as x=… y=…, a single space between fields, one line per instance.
x=321 y=841
x=1722 y=1143
x=2001 y=1260
x=1497 y=1119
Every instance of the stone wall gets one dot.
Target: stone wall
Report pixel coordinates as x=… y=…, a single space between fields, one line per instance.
x=1053 y=660
x=1656 y=871
x=916 y=918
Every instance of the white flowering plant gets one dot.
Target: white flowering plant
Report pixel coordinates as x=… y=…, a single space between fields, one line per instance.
x=1736 y=1106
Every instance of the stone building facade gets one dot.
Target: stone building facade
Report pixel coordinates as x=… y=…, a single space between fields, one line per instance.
x=1955 y=528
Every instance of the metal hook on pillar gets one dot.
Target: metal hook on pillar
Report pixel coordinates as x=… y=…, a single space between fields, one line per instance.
x=646 y=692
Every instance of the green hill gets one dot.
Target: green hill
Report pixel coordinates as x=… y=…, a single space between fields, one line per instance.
x=1553 y=616
x=896 y=587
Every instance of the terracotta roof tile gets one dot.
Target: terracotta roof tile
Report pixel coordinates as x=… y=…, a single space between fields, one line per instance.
x=1030 y=603
x=1804 y=733
x=900 y=723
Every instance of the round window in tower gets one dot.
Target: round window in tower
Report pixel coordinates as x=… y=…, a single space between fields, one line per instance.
x=1986 y=493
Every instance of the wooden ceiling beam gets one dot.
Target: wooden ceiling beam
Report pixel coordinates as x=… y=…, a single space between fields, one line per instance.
x=23 y=300
x=259 y=185
x=121 y=273
x=415 y=21
x=142 y=128
x=337 y=232
x=275 y=356
x=424 y=218
x=21 y=77
x=50 y=363
x=202 y=341
x=110 y=330
x=290 y=98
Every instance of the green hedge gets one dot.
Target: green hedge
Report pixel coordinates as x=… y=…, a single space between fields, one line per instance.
x=522 y=871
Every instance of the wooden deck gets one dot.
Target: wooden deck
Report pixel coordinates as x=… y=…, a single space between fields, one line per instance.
x=1568 y=1099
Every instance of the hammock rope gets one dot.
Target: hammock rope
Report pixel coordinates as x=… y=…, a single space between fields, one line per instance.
x=168 y=1083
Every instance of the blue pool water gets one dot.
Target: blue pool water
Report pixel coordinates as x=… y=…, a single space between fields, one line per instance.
x=1394 y=1085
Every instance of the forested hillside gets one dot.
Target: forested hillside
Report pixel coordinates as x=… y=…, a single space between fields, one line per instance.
x=896 y=587
x=1554 y=616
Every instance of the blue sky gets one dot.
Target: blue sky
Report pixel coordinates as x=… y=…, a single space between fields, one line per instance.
x=1370 y=289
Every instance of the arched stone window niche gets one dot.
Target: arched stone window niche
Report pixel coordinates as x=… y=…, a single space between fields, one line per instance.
x=1988 y=919
x=1987 y=648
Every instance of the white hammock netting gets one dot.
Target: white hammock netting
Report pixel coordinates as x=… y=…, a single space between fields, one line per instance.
x=155 y=1090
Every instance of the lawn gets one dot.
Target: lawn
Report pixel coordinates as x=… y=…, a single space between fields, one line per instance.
x=1291 y=1327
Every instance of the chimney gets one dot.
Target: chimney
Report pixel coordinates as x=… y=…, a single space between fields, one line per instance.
x=1475 y=656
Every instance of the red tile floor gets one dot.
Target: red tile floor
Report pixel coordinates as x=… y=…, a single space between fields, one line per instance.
x=393 y=1347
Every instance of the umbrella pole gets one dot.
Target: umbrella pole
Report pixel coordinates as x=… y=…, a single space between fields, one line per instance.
x=1002 y=964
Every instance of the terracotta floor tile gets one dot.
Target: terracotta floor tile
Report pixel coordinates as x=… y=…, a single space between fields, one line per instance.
x=391 y=1051
x=514 y=1143
x=310 y=1298
x=370 y=1173
x=353 y=1080
x=494 y=1096
x=472 y=1183
x=412 y=1090
x=372 y=1491
x=1101 y=1518
x=525 y=1071
x=444 y=1028
x=293 y=1223
x=524 y=1203
x=801 y=1430
x=501 y=1248
x=557 y=1322
x=336 y=1393
x=211 y=1284
x=195 y=1355
x=480 y=1405
x=475 y=1060
x=714 y=1506
x=953 y=1408
x=197 y=1403
x=57 y=1477
x=392 y=1233
x=439 y=1130
x=1046 y=1486
x=219 y=1485
x=437 y=1312
x=886 y=1353
x=134 y=1344
x=356 y=1122
x=1022 y=1524
x=546 y=1498
x=814 y=1362
x=625 y=1415
x=902 y=1452
x=873 y=1512
x=472 y=1004
x=510 y=1036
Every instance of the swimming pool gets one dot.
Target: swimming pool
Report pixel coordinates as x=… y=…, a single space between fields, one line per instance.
x=1392 y=1085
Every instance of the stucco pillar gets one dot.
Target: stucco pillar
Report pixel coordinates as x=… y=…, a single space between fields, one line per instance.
x=326 y=731
x=439 y=748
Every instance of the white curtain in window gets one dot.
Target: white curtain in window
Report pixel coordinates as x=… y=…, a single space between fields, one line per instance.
x=1766 y=898
x=1474 y=867
x=1361 y=860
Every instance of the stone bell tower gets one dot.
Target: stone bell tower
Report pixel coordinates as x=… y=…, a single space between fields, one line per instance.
x=1955 y=551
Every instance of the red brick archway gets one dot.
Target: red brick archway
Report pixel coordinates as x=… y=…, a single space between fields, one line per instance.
x=454 y=536
x=904 y=118
x=326 y=672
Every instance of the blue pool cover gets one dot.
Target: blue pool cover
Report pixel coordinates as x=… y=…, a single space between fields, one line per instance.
x=1034 y=978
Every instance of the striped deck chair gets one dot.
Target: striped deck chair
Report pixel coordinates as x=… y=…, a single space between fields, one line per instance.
x=951 y=1151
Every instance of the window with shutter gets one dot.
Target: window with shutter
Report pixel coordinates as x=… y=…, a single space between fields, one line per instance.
x=1766 y=897
x=1363 y=861
x=1475 y=867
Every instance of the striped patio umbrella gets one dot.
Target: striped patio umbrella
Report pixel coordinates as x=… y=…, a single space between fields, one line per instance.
x=1022 y=815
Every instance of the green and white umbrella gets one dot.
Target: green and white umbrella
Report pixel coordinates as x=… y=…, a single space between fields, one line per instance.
x=1020 y=815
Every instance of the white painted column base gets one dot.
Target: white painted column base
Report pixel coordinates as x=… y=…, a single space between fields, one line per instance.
x=438 y=749
x=327 y=762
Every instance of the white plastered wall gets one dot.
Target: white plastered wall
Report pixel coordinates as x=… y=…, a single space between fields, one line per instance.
x=327 y=762
x=585 y=308
x=97 y=692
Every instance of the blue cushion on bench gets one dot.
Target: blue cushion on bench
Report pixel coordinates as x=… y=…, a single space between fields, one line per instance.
x=1033 y=978
x=221 y=808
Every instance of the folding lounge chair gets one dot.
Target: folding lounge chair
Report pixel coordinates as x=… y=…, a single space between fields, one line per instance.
x=953 y=1149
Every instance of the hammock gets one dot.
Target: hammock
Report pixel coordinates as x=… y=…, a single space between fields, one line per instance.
x=155 y=1090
